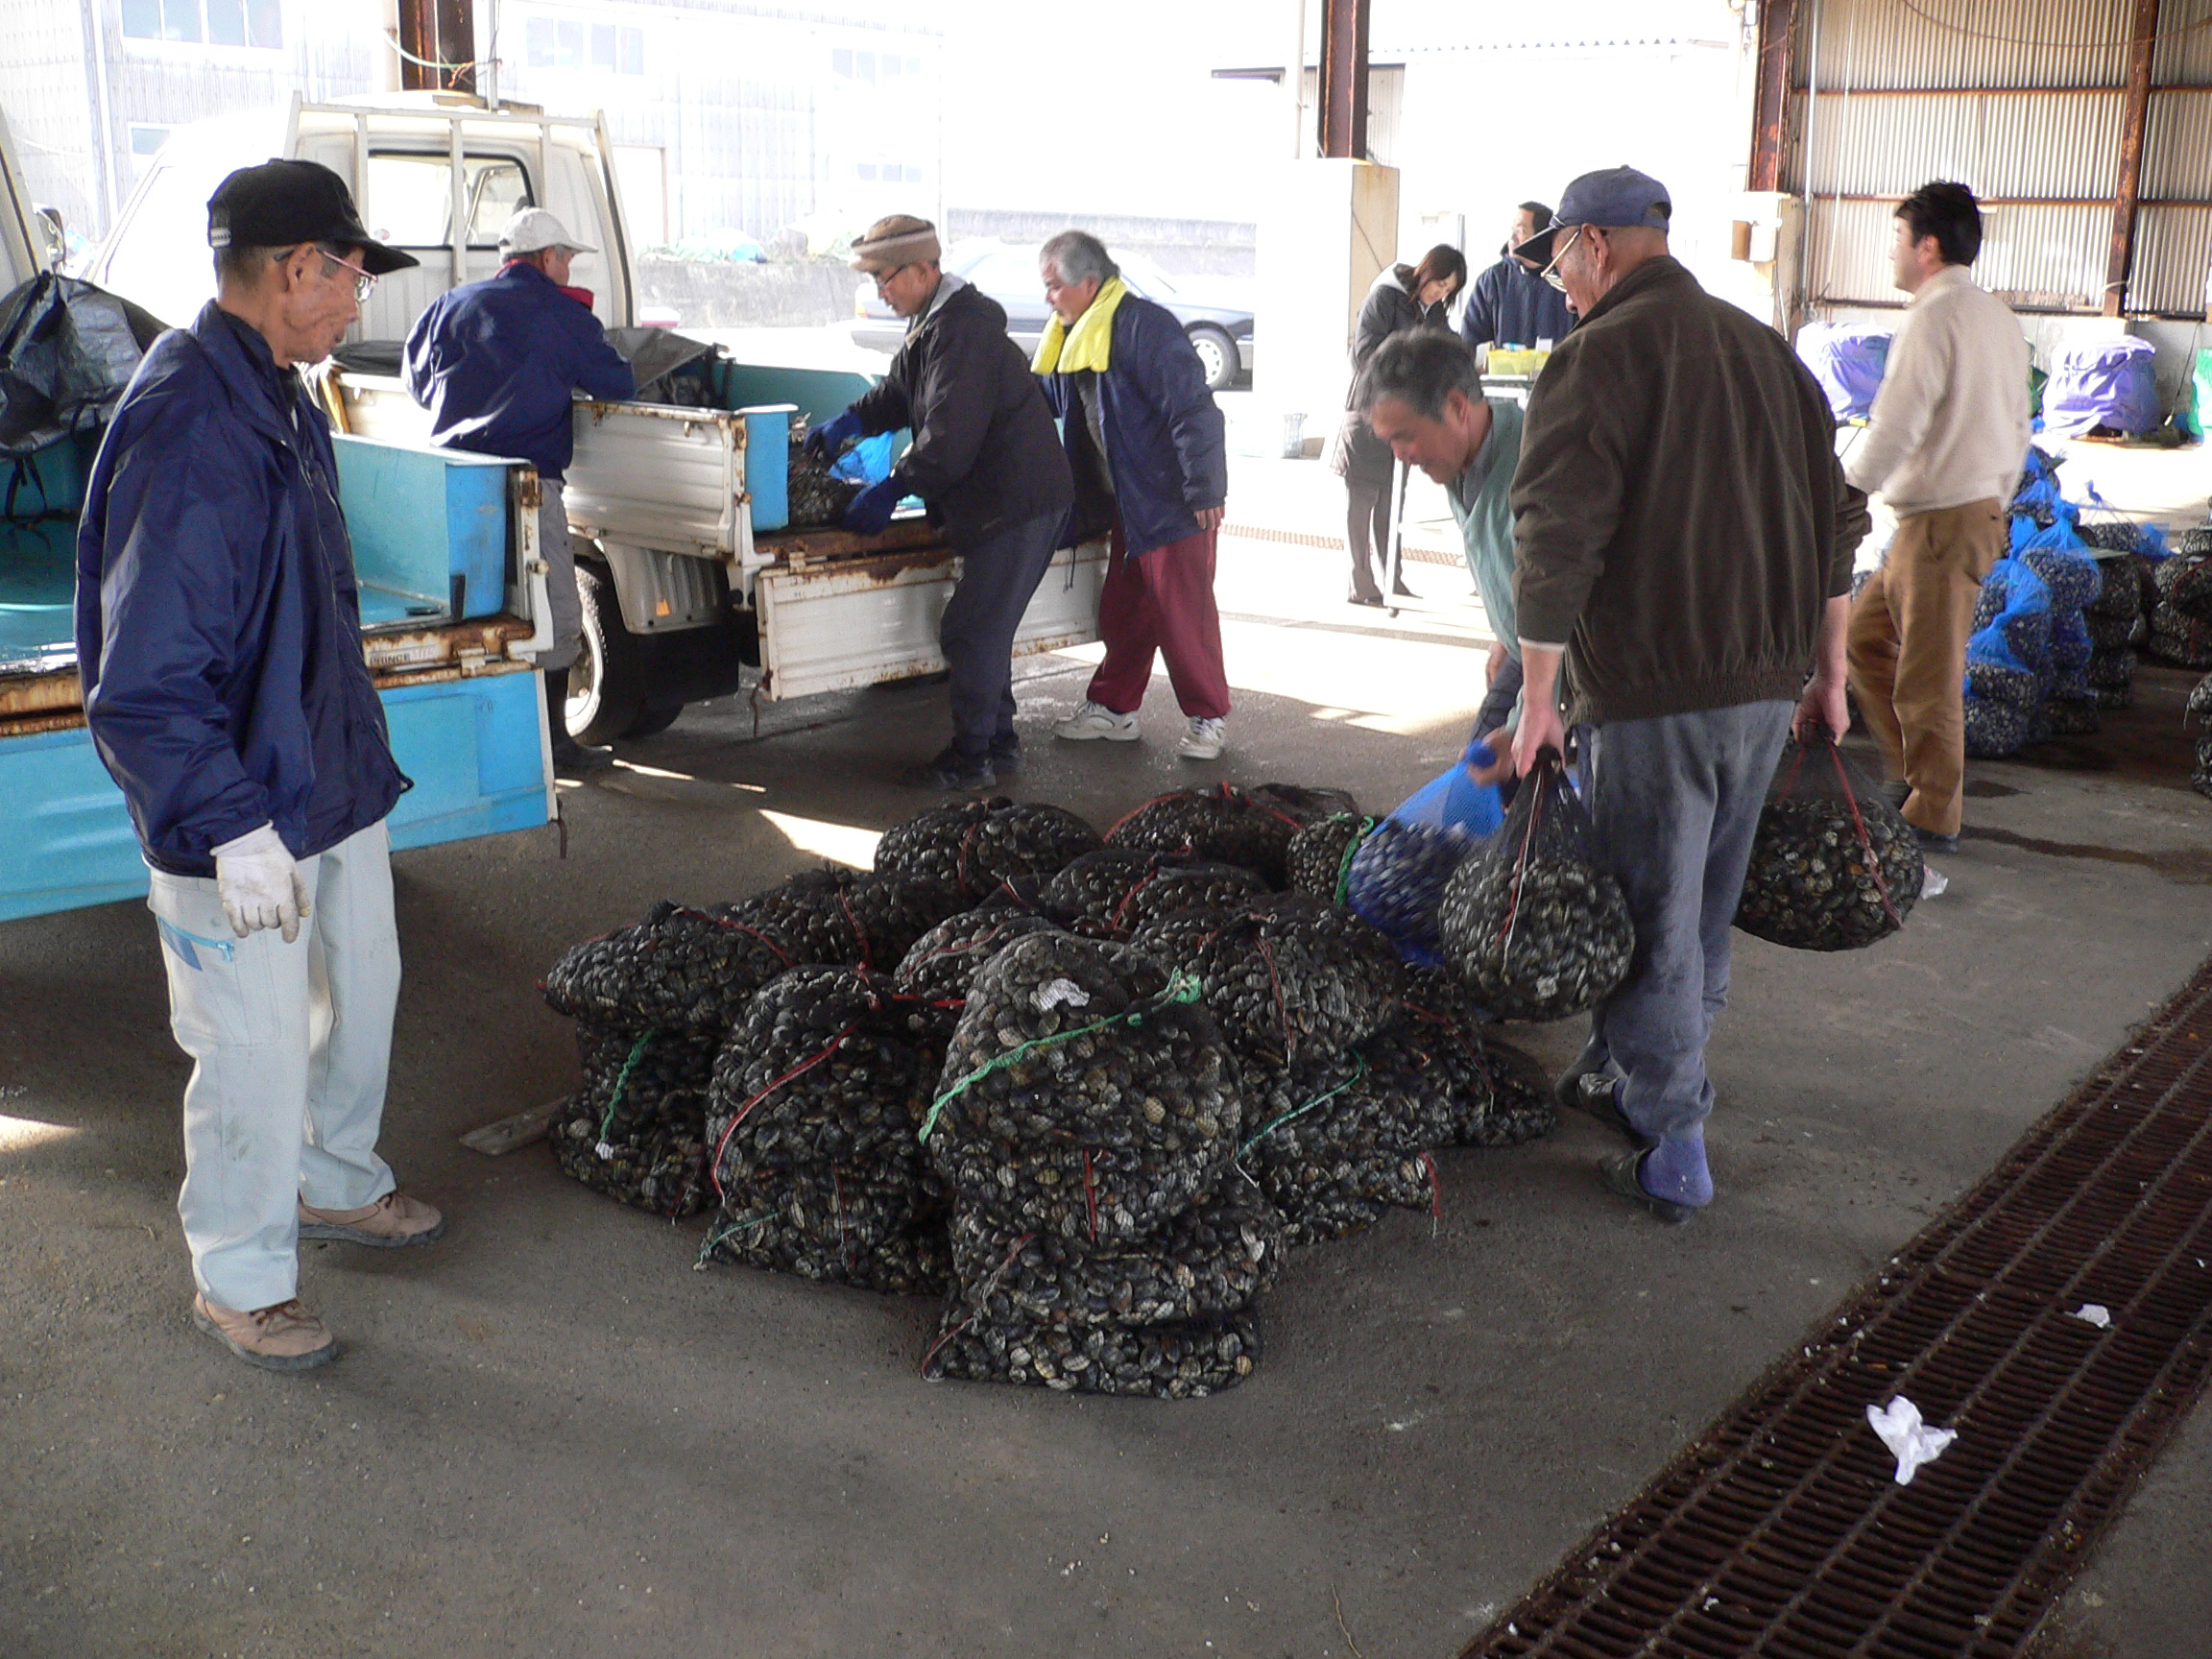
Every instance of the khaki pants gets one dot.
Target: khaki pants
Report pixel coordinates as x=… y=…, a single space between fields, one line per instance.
x=1907 y=651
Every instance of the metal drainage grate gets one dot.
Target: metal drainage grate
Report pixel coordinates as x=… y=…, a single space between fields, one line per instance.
x=1781 y=1532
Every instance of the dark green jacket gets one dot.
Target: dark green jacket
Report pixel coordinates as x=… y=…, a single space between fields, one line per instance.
x=1679 y=516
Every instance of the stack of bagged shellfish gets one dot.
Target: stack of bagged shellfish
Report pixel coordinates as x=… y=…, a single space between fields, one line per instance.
x=2200 y=710
x=2181 y=621
x=1084 y=1126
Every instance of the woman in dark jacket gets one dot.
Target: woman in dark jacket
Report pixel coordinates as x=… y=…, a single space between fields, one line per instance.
x=1402 y=297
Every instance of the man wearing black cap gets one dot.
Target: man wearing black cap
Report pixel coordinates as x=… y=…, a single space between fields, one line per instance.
x=1682 y=540
x=219 y=641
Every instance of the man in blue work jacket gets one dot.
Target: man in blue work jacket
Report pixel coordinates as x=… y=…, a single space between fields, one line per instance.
x=219 y=641
x=497 y=364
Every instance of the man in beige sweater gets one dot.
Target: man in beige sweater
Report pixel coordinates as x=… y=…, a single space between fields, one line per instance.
x=1943 y=446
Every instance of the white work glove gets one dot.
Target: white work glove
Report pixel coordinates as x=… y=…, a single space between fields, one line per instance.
x=260 y=884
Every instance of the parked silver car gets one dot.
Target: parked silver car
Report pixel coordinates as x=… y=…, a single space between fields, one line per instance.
x=1220 y=330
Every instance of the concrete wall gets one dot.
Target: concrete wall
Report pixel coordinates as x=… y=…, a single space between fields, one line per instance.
x=727 y=295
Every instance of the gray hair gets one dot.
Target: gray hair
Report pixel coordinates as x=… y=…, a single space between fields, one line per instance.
x=1419 y=367
x=1078 y=257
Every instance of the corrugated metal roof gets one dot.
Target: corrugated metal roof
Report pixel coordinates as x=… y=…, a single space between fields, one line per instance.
x=1968 y=44
x=2063 y=144
x=2032 y=256
x=2172 y=253
x=2177 y=147
x=2183 y=57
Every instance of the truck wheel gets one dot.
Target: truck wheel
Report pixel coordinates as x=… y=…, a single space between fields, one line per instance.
x=654 y=717
x=608 y=684
x=1217 y=355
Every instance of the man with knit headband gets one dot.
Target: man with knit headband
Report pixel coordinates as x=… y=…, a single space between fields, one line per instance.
x=1151 y=471
x=987 y=466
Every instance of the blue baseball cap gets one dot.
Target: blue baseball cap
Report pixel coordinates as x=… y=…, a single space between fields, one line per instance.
x=1615 y=198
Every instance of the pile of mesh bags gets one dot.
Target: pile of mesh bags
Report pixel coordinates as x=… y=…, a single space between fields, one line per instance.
x=1086 y=1118
x=2179 y=627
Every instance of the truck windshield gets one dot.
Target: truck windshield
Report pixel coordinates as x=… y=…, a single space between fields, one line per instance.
x=411 y=198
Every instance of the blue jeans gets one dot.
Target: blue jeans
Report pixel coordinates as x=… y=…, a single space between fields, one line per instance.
x=1676 y=801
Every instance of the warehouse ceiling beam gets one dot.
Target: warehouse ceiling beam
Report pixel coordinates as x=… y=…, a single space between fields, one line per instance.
x=1770 y=118
x=1343 y=78
x=2127 y=197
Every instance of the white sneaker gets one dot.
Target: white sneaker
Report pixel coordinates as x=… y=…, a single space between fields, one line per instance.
x=1096 y=720
x=1932 y=882
x=1204 y=741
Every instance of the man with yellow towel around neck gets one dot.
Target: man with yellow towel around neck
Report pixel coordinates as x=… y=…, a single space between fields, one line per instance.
x=1145 y=442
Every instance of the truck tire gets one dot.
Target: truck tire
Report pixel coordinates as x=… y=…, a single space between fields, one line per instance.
x=1217 y=355
x=608 y=684
x=655 y=717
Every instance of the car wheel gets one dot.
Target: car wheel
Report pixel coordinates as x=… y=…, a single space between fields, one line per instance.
x=607 y=681
x=1217 y=355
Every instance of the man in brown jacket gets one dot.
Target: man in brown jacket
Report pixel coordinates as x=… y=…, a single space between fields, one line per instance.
x=1682 y=540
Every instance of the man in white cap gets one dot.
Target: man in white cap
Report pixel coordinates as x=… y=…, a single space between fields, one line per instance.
x=496 y=363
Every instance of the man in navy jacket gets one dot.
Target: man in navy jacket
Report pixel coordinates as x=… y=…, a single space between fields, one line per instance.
x=219 y=641
x=1147 y=447
x=497 y=364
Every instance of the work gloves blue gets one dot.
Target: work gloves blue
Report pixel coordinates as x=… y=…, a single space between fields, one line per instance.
x=827 y=440
x=872 y=509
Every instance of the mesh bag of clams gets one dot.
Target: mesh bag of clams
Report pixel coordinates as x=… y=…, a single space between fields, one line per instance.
x=1108 y=893
x=1085 y=1094
x=1291 y=977
x=1185 y=1362
x=1335 y=1196
x=1396 y=879
x=1833 y=866
x=818 y=499
x=936 y=971
x=1535 y=928
x=1319 y=859
x=2200 y=710
x=985 y=847
x=1999 y=706
x=636 y=1130
x=1491 y=1093
x=812 y=1112
x=1231 y=826
x=2184 y=584
x=681 y=969
x=844 y=917
x=2185 y=641
x=1211 y=1260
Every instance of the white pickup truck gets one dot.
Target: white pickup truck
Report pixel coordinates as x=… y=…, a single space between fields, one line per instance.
x=688 y=569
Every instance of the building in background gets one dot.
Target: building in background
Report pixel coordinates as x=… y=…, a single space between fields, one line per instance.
x=728 y=117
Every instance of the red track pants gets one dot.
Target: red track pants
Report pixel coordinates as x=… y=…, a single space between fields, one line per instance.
x=1162 y=602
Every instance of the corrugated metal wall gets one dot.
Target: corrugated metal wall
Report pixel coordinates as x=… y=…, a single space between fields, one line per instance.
x=2024 y=102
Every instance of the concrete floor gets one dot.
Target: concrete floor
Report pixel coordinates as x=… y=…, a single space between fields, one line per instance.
x=549 y=1436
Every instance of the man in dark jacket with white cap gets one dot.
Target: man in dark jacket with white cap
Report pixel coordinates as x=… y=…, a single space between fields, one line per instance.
x=1682 y=538
x=497 y=363
x=988 y=466
x=219 y=641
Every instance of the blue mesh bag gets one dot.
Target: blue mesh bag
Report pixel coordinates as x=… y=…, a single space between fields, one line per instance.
x=1397 y=875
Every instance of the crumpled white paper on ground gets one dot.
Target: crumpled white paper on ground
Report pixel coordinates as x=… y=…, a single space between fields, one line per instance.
x=1909 y=1440
x=2095 y=1313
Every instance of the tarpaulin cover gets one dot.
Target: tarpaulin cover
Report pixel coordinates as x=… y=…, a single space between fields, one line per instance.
x=2104 y=383
x=67 y=350
x=1847 y=359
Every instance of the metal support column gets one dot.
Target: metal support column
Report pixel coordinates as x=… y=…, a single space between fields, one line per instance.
x=438 y=43
x=1344 y=79
x=1770 y=118
x=2128 y=191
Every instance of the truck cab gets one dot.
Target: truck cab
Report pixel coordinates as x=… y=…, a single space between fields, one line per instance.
x=689 y=570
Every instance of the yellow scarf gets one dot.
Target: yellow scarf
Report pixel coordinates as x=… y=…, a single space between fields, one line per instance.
x=1065 y=351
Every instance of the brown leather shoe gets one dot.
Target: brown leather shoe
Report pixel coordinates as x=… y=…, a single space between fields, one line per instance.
x=284 y=1337
x=390 y=1223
